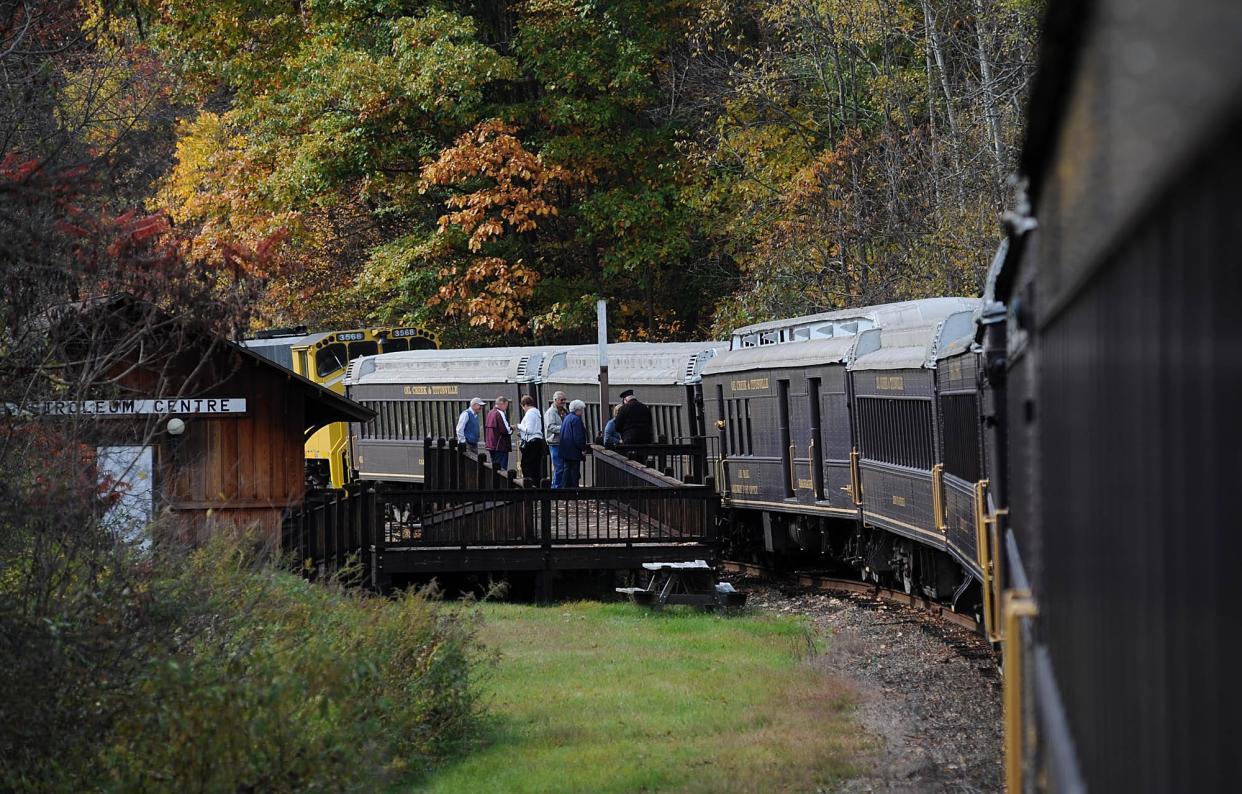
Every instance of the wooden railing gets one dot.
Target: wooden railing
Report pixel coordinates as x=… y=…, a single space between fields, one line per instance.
x=686 y=462
x=449 y=466
x=330 y=526
x=545 y=516
x=465 y=503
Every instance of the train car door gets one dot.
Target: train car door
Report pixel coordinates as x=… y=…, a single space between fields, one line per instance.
x=787 y=454
x=815 y=453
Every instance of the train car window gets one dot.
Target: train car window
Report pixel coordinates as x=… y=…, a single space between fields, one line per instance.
x=896 y=431
x=750 y=442
x=359 y=349
x=329 y=359
x=960 y=417
x=394 y=345
x=302 y=367
x=421 y=343
x=816 y=442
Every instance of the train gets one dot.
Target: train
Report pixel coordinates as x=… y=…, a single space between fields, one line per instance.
x=322 y=357
x=851 y=436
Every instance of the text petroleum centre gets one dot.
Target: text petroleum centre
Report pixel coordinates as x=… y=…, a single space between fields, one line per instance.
x=164 y=407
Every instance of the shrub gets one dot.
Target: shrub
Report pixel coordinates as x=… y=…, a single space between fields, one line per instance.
x=242 y=677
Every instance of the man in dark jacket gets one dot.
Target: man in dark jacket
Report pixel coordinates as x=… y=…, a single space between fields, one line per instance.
x=498 y=435
x=573 y=445
x=634 y=420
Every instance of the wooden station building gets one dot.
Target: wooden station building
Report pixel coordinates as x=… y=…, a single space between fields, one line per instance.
x=218 y=430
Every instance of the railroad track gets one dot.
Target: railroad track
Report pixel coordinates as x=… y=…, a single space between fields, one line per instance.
x=829 y=584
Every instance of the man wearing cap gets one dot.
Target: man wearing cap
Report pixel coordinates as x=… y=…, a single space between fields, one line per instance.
x=468 y=424
x=498 y=435
x=634 y=420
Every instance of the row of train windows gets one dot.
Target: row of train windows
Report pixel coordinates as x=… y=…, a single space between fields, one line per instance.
x=667 y=421
x=406 y=419
x=330 y=358
x=410 y=420
x=900 y=432
x=896 y=431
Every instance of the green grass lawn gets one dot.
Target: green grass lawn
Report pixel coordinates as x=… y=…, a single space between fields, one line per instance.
x=616 y=698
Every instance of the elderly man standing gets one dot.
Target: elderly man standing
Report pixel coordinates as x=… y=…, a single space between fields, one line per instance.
x=573 y=445
x=468 y=424
x=498 y=435
x=552 y=419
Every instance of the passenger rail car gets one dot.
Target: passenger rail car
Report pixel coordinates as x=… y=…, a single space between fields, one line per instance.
x=1115 y=351
x=419 y=395
x=664 y=377
x=835 y=421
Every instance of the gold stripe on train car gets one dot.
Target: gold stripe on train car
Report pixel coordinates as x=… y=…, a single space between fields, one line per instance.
x=1018 y=606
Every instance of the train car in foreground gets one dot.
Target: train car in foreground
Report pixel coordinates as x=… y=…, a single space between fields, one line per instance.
x=1114 y=350
x=322 y=358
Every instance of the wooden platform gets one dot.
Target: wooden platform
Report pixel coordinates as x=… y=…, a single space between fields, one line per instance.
x=568 y=521
x=585 y=556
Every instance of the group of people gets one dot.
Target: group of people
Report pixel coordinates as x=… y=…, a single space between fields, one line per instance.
x=559 y=433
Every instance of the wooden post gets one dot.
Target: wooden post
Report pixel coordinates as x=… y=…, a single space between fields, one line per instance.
x=344 y=530
x=375 y=520
x=545 y=515
x=428 y=463
x=698 y=462
x=330 y=533
x=709 y=510
x=441 y=469
x=454 y=468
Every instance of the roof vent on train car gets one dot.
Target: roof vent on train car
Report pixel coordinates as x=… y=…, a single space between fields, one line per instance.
x=694 y=368
x=523 y=366
x=933 y=346
x=554 y=363
x=359 y=367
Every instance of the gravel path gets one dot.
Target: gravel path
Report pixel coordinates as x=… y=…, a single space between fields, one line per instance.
x=928 y=691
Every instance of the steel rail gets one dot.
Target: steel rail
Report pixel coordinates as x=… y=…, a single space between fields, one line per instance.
x=853 y=587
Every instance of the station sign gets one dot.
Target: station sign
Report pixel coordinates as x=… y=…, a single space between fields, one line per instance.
x=120 y=408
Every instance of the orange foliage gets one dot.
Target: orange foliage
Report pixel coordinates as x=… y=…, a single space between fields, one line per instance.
x=516 y=193
x=490 y=291
x=518 y=183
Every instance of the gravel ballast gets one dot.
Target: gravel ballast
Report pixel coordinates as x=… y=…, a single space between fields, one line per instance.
x=928 y=692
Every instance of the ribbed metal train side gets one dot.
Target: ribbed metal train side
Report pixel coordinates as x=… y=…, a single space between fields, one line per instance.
x=1125 y=371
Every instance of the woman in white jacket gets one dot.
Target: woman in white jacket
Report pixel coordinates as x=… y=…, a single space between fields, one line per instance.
x=531 y=443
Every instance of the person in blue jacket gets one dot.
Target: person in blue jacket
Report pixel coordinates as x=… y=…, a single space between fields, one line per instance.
x=573 y=445
x=468 y=424
x=611 y=436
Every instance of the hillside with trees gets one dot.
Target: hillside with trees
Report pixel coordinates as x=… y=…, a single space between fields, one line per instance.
x=491 y=169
